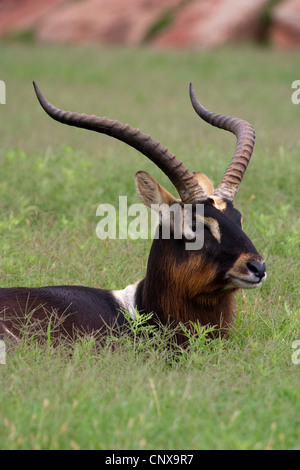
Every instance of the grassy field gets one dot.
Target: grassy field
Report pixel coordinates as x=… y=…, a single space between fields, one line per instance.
x=240 y=393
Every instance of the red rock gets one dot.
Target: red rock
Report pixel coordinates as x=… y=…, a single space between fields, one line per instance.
x=194 y=23
x=285 y=28
x=211 y=23
x=104 y=21
x=20 y=15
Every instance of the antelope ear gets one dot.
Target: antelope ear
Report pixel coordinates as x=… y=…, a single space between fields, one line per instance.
x=151 y=192
x=204 y=182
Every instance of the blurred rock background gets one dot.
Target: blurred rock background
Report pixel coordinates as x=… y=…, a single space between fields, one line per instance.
x=201 y=24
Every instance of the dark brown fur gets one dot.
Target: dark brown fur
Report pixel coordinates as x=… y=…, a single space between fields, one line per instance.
x=70 y=310
x=181 y=287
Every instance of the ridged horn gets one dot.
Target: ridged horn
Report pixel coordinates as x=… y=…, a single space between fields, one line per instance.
x=244 y=132
x=184 y=181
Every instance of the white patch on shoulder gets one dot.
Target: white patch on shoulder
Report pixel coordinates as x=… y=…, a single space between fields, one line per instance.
x=126 y=298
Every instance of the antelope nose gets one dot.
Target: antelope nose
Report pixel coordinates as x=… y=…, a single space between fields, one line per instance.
x=257 y=268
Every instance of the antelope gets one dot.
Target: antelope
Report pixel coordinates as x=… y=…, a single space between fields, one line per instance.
x=180 y=285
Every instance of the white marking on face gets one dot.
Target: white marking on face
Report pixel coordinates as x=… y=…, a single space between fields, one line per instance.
x=213 y=226
x=241 y=276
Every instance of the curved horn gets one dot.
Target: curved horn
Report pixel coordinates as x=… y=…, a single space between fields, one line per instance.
x=184 y=181
x=244 y=132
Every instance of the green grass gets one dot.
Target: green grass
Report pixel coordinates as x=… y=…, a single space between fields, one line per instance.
x=240 y=393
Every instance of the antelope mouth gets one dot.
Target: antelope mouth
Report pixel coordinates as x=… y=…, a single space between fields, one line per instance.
x=247 y=282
